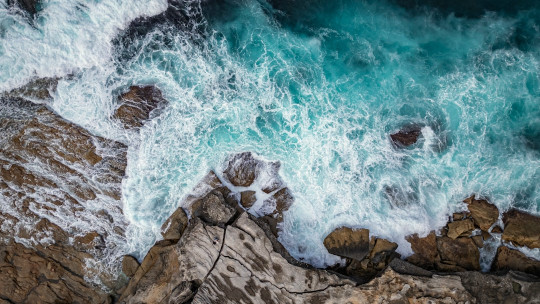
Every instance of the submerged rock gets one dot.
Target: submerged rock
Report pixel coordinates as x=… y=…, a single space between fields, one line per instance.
x=406 y=136
x=483 y=213
x=39 y=89
x=137 y=104
x=521 y=228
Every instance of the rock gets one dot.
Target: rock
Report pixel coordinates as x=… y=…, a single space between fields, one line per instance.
x=283 y=200
x=486 y=235
x=522 y=229
x=381 y=254
x=242 y=169
x=175 y=225
x=31 y=276
x=137 y=104
x=129 y=265
x=349 y=243
x=459 y=216
x=30 y=6
x=478 y=240
x=213 y=209
x=460 y=228
x=497 y=229
x=38 y=89
x=483 y=213
x=406 y=136
x=425 y=250
x=510 y=259
x=247 y=198
x=458 y=254
x=89 y=241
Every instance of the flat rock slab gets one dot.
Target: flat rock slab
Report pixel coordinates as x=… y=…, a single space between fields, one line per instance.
x=521 y=228
x=348 y=242
x=484 y=213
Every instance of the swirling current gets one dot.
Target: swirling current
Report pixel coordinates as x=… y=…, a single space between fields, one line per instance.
x=319 y=86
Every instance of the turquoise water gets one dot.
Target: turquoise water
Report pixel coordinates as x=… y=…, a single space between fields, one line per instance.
x=318 y=85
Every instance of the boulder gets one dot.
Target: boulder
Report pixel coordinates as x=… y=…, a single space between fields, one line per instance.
x=348 y=242
x=137 y=104
x=213 y=209
x=406 y=136
x=497 y=229
x=129 y=265
x=460 y=228
x=478 y=240
x=521 y=228
x=458 y=254
x=248 y=198
x=242 y=169
x=175 y=225
x=459 y=216
x=483 y=213
x=511 y=259
x=425 y=250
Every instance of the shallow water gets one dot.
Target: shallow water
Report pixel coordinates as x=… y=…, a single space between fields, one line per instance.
x=318 y=86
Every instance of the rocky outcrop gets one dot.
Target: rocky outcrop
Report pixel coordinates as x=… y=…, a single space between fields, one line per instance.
x=53 y=174
x=38 y=90
x=460 y=228
x=425 y=250
x=406 y=136
x=521 y=229
x=483 y=213
x=137 y=105
x=347 y=242
x=238 y=261
x=129 y=265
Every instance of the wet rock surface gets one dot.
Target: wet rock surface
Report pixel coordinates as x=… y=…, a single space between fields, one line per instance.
x=137 y=105
x=406 y=136
x=348 y=242
x=53 y=172
x=521 y=229
x=511 y=259
x=483 y=213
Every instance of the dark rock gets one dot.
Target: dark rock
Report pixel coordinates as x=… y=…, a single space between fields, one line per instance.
x=129 y=265
x=213 y=209
x=460 y=228
x=483 y=213
x=137 y=104
x=521 y=228
x=425 y=250
x=248 y=198
x=478 y=240
x=30 y=6
x=459 y=254
x=510 y=259
x=39 y=89
x=242 y=169
x=459 y=216
x=348 y=242
x=175 y=225
x=497 y=229
x=283 y=199
x=406 y=136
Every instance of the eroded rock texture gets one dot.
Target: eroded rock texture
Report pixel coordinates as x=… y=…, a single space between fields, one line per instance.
x=60 y=193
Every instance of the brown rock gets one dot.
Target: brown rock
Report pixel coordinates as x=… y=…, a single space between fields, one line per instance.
x=247 y=198
x=486 y=235
x=242 y=169
x=425 y=250
x=461 y=252
x=347 y=242
x=175 y=225
x=478 y=240
x=510 y=259
x=406 y=136
x=460 y=228
x=497 y=229
x=483 y=213
x=129 y=265
x=283 y=200
x=88 y=241
x=137 y=104
x=459 y=216
x=36 y=89
x=521 y=228
x=213 y=209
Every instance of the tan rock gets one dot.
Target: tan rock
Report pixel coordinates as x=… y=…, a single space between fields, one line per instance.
x=478 y=240
x=483 y=213
x=175 y=225
x=521 y=228
x=137 y=104
x=213 y=209
x=460 y=228
x=425 y=250
x=129 y=265
x=247 y=198
x=461 y=252
x=510 y=259
x=459 y=216
x=242 y=169
x=497 y=229
x=348 y=242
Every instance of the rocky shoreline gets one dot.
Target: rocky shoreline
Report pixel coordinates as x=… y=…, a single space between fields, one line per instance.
x=214 y=250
